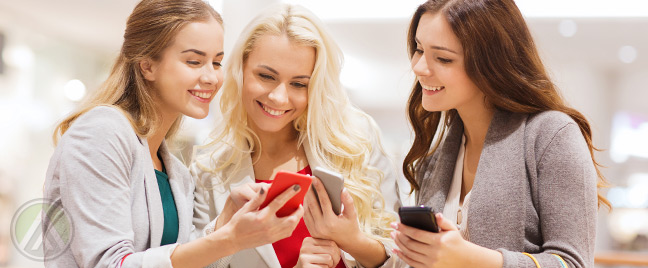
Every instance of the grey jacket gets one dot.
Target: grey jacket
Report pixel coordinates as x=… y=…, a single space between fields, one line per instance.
x=534 y=190
x=212 y=195
x=102 y=175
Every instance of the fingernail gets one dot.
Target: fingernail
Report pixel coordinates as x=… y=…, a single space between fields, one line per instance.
x=393 y=235
x=296 y=188
x=262 y=191
x=394 y=225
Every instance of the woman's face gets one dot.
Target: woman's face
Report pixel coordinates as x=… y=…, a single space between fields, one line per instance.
x=188 y=74
x=275 y=83
x=439 y=66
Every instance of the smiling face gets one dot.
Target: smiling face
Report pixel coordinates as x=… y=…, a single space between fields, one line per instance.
x=439 y=66
x=188 y=73
x=275 y=83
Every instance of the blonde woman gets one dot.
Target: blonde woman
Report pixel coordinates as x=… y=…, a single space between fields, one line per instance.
x=128 y=198
x=284 y=109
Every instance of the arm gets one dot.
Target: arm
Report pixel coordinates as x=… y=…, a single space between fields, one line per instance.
x=566 y=198
x=94 y=169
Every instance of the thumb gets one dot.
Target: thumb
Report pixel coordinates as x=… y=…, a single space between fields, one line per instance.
x=349 y=208
x=445 y=224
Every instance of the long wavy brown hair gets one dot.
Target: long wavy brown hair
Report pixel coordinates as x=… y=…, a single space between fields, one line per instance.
x=502 y=60
x=150 y=28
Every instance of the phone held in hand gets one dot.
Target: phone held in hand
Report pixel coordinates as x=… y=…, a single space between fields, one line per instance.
x=282 y=181
x=333 y=183
x=419 y=217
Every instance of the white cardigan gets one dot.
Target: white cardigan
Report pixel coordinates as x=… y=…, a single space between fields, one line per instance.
x=210 y=200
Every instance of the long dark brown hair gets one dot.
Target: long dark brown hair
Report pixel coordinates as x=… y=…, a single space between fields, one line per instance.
x=502 y=60
x=150 y=28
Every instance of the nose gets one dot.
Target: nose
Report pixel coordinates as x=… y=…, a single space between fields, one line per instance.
x=420 y=66
x=279 y=95
x=209 y=75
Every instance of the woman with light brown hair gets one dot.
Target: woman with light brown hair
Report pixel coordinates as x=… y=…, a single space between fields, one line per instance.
x=507 y=164
x=129 y=201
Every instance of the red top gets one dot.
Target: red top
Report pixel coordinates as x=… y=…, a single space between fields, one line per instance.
x=287 y=249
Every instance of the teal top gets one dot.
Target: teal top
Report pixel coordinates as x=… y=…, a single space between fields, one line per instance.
x=170 y=233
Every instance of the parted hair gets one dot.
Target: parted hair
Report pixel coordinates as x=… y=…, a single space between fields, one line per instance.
x=339 y=134
x=150 y=28
x=501 y=58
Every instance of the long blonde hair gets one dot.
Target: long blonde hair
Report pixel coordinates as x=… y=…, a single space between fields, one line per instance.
x=331 y=123
x=150 y=28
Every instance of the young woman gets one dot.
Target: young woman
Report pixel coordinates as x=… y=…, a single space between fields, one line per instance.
x=284 y=109
x=497 y=151
x=128 y=199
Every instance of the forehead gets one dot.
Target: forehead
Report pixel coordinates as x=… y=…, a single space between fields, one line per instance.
x=434 y=30
x=278 y=51
x=205 y=36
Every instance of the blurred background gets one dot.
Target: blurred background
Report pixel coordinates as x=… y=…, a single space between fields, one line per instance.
x=53 y=53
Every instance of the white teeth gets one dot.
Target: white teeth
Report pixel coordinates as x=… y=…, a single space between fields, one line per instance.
x=273 y=112
x=432 y=88
x=204 y=95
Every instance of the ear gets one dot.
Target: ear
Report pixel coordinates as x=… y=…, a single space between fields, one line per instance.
x=147 y=66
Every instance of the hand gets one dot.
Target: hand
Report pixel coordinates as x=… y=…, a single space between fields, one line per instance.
x=237 y=198
x=447 y=248
x=316 y=252
x=322 y=222
x=252 y=227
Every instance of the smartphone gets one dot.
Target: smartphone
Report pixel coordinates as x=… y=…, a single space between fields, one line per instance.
x=334 y=183
x=282 y=181
x=419 y=217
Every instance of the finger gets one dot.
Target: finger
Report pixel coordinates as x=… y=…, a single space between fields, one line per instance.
x=407 y=259
x=256 y=201
x=410 y=243
x=349 y=207
x=283 y=198
x=405 y=249
x=314 y=208
x=445 y=224
x=422 y=236
x=322 y=196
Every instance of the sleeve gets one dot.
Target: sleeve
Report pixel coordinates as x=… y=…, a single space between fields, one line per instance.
x=204 y=210
x=94 y=170
x=566 y=194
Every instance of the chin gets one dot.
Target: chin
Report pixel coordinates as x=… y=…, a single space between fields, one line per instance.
x=198 y=114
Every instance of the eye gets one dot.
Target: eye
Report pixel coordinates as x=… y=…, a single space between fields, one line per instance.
x=418 y=51
x=444 y=60
x=193 y=62
x=266 y=76
x=299 y=84
x=217 y=64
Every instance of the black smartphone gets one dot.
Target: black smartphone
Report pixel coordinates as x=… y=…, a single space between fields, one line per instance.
x=419 y=217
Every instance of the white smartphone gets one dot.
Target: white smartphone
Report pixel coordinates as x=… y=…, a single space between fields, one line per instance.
x=334 y=183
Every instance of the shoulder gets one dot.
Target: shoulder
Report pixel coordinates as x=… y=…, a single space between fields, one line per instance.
x=103 y=120
x=554 y=128
x=206 y=158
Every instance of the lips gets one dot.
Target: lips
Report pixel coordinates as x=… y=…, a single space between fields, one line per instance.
x=432 y=88
x=270 y=111
x=202 y=95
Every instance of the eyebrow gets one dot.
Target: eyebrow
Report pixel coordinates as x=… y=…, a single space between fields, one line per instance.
x=202 y=53
x=277 y=73
x=437 y=47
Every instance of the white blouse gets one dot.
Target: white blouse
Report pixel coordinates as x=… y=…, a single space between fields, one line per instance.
x=452 y=210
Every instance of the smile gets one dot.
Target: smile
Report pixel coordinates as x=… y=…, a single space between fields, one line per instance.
x=271 y=111
x=431 y=88
x=202 y=95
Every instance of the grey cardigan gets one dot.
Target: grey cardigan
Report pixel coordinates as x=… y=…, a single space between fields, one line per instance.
x=102 y=175
x=534 y=190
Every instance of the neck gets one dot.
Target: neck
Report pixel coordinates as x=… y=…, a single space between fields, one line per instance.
x=276 y=143
x=476 y=121
x=155 y=139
